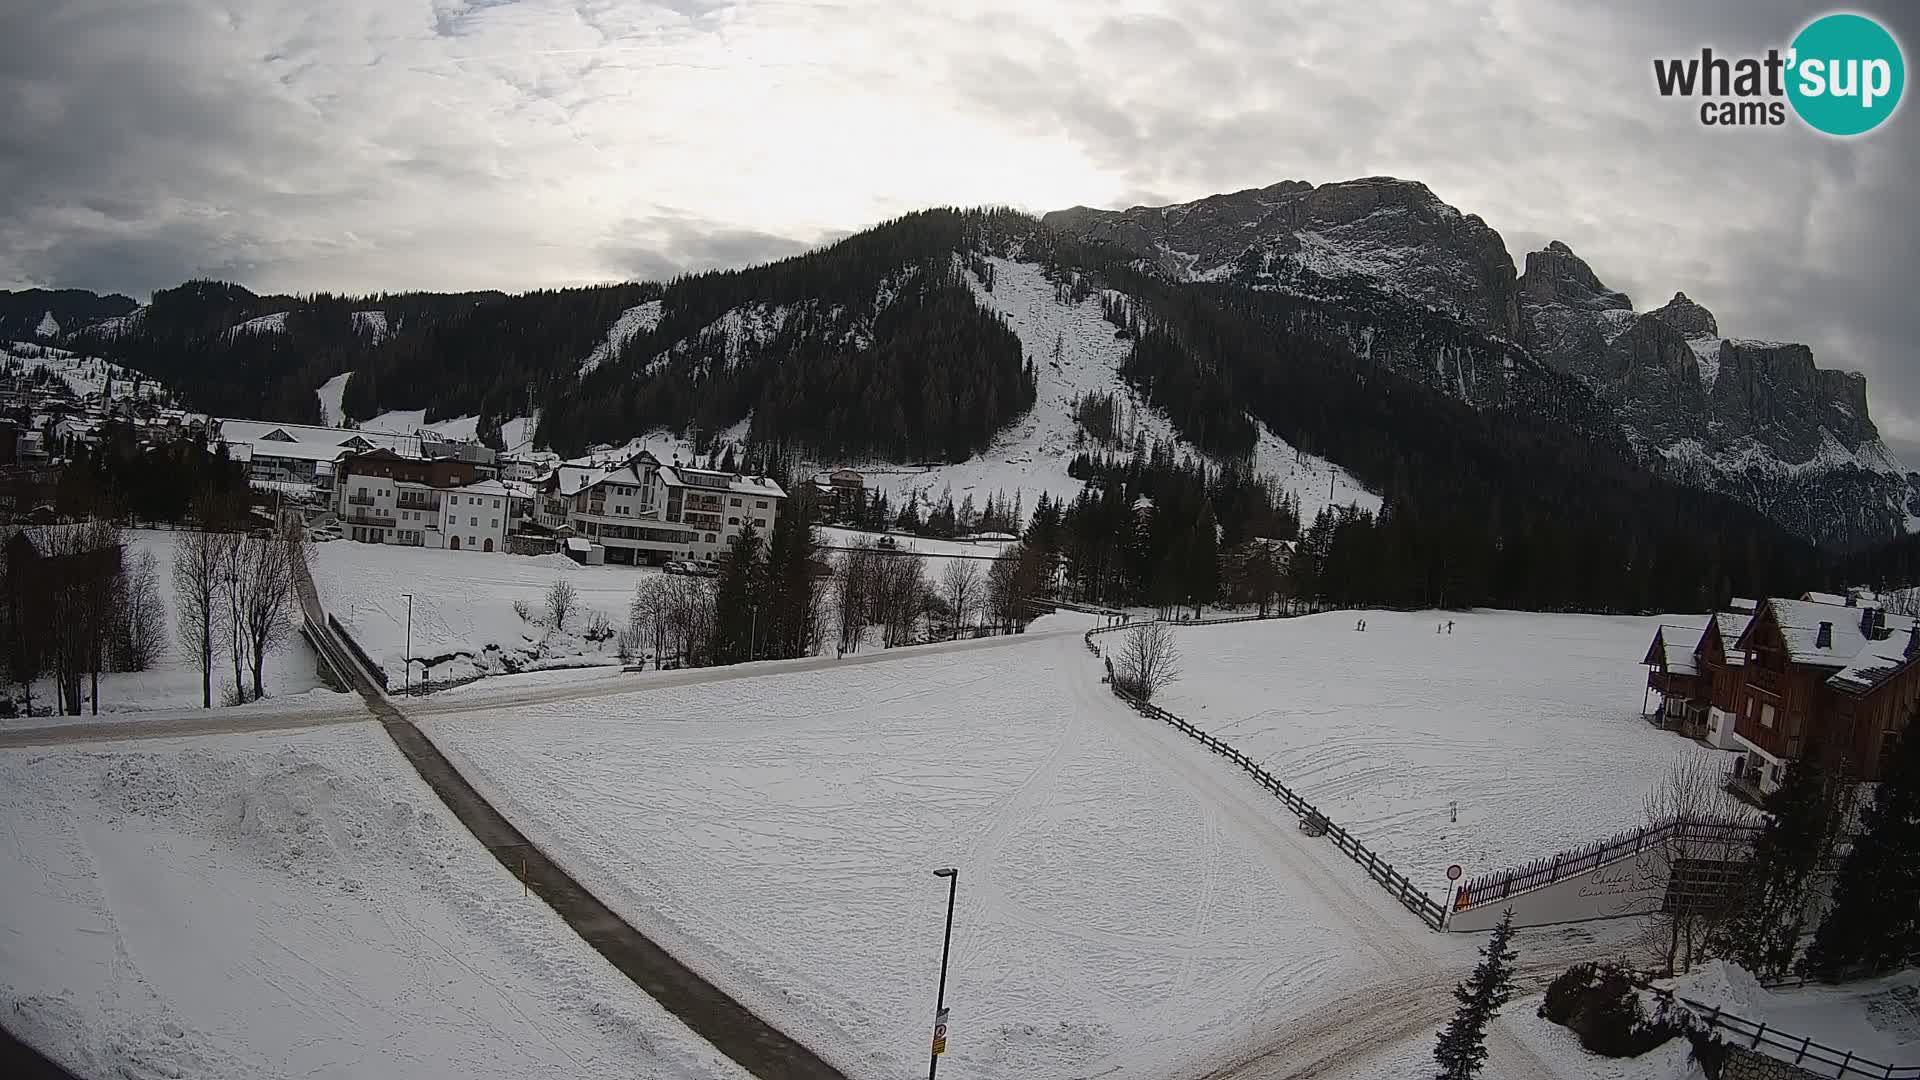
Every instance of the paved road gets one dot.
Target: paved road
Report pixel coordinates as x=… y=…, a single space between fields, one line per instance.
x=733 y=1029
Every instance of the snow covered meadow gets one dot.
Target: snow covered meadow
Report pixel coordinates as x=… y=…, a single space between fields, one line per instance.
x=1529 y=722
x=464 y=622
x=291 y=905
x=1127 y=908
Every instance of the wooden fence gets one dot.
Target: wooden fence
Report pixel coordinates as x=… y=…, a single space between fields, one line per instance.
x=1805 y=1053
x=1498 y=886
x=1429 y=911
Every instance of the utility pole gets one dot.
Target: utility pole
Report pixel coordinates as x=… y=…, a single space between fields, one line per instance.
x=940 y=1003
x=406 y=681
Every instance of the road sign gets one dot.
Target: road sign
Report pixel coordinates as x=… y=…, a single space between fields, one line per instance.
x=940 y=1033
x=1453 y=872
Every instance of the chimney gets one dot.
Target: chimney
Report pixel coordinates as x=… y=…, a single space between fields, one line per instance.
x=1853 y=598
x=1825 y=638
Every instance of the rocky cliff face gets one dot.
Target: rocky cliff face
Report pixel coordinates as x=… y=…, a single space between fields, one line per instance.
x=1395 y=233
x=1757 y=420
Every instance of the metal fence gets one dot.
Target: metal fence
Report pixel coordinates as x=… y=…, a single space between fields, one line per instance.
x=379 y=674
x=1429 y=911
x=1541 y=872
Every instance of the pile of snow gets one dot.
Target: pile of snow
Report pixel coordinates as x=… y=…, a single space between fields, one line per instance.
x=636 y=320
x=1529 y=724
x=291 y=905
x=1127 y=907
x=174 y=682
x=464 y=623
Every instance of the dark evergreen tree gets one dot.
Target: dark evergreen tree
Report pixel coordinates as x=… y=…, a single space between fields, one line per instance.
x=1462 y=1048
x=1764 y=933
x=792 y=607
x=737 y=599
x=1874 y=924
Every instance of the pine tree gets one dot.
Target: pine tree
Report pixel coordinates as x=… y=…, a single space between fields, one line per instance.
x=1202 y=556
x=1764 y=934
x=1874 y=924
x=1462 y=1047
x=736 y=599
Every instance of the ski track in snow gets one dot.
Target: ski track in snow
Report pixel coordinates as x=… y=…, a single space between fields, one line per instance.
x=1032 y=454
x=330 y=393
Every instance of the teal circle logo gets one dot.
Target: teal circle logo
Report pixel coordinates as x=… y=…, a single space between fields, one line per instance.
x=1846 y=74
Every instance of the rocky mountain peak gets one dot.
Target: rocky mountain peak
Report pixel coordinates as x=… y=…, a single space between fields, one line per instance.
x=1394 y=234
x=1555 y=275
x=1689 y=318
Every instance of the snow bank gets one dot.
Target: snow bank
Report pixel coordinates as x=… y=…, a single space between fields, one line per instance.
x=1530 y=723
x=292 y=905
x=778 y=832
x=1877 y=1019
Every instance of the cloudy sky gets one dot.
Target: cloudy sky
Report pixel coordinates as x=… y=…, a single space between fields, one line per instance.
x=362 y=145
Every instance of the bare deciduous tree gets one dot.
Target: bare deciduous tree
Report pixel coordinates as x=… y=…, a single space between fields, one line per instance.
x=266 y=608
x=1693 y=792
x=141 y=633
x=960 y=588
x=852 y=581
x=898 y=597
x=1148 y=660
x=562 y=600
x=197 y=559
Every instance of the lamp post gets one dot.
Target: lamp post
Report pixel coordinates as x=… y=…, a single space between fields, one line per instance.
x=940 y=1003
x=406 y=680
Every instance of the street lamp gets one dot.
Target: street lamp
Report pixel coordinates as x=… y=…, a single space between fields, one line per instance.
x=940 y=1003
x=406 y=681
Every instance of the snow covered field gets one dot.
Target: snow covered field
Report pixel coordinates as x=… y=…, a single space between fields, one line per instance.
x=463 y=618
x=1127 y=907
x=291 y=905
x=1530 y=722
x=174 y=682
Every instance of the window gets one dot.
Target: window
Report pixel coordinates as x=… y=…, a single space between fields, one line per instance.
x=496 y=504
x=472 y=541
x=493 y=524
x=1766 y=716
x=760 y=522
x=733 y=502
x=759 y=504
x=733 y=521
x=709 y=538
x=473 y=523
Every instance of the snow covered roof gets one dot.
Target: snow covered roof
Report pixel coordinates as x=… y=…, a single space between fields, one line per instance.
x=687 y=476
x=1875 y=663
x=1823 y=598
x=1731 y=625
x=579 y=543
x=1741 y=603
x=297 y=451
x=1677 y=644
x=1800 y=622
x=485 y=487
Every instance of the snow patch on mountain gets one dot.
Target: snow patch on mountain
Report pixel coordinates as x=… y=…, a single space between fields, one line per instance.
x=636 y=320
x=330 y=393
x=85 y=376
x=1750 y=456
x=49 y=326
x=1032 y=454
x=372 y=323
x=275 y=323
x=118 y=325
x=1706 y=350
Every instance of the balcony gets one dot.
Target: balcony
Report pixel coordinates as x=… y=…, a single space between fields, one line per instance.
x=381 y=518
x=405 y=503
x=360 y=500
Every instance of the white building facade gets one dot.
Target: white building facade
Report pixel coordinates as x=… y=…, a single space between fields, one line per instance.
x=646 y=512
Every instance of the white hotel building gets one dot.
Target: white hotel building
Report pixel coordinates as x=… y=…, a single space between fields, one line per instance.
x=645 y=512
